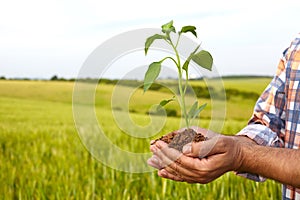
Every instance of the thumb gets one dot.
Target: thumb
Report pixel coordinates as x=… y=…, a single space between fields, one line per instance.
x=201 y=149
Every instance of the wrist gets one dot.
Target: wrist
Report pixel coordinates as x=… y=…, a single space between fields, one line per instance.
x=244 y=149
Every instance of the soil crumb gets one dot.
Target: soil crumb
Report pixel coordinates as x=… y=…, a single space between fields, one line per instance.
x=178 y=140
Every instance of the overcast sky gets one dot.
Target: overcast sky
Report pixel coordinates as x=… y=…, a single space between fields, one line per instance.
x=42 y=38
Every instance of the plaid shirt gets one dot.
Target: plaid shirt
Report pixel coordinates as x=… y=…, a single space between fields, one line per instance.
x=275 y=121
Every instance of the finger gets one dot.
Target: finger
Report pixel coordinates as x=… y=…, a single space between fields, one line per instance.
x=163 y=160
x=205 y=148
x=153 y=148
x=190 y=176
x=192 y=170
x=181 y=171
x=163 y=173
x=154 y=162
x=167 y=154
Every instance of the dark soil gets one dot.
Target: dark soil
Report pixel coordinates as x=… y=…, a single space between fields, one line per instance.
x=178 y=140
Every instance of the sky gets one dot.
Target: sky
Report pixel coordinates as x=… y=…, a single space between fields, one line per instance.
x=42 y=38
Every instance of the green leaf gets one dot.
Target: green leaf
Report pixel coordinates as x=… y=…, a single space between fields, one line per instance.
x=151 y=39
x=151 y=74
x=191 y=29
x=165 y=102
x=194 y=112
x=197 y=112
x=203 y=59
x=193 y=109
x=187 y=62
x=168 y=27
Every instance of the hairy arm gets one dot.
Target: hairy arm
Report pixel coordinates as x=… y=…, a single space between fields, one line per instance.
x=275 y=163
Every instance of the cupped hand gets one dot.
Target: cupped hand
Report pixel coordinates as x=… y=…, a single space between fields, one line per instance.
x=200 y=162
x=155 y=147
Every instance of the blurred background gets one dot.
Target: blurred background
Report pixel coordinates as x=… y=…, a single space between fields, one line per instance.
x=43 y=45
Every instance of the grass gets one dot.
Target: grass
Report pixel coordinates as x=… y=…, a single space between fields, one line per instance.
x=42 y=157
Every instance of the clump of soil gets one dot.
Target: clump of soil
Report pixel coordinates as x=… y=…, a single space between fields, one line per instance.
x=178 y=140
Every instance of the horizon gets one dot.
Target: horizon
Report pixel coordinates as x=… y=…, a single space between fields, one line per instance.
x=104 y=78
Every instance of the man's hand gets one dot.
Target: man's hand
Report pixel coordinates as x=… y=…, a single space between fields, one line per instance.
x=200 y=162
x=205 y=161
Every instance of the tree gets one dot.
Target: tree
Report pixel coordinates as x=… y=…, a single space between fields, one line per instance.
x=54 y=78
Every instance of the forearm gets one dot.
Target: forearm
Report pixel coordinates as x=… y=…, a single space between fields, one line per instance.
x=275 y=163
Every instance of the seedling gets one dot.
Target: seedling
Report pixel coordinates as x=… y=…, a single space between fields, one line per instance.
x=202 y=58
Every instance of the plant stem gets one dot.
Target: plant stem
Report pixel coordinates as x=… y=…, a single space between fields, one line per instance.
x=184 y=92
x=177 y=40
x=170 y=59
x=183 y=99
x=181 y=91
x=186 y=81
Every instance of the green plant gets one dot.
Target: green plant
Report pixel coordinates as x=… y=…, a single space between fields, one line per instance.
x=201 y=58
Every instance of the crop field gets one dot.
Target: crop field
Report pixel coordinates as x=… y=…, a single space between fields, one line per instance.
x=42 y=156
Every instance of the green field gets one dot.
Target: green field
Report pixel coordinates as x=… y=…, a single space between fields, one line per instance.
x=42 y=156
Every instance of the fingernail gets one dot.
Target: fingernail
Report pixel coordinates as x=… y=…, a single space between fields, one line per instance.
x=154 y=160
x=163 y=172
x=152 y=142
x=153 y=149
x=187 y=148
x=159 y=144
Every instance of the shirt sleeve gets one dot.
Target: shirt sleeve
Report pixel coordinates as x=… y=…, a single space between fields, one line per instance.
x=267 y=124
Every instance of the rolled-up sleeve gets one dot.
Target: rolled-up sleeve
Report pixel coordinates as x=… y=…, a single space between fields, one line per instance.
x=267 y=124
x=262 y=135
